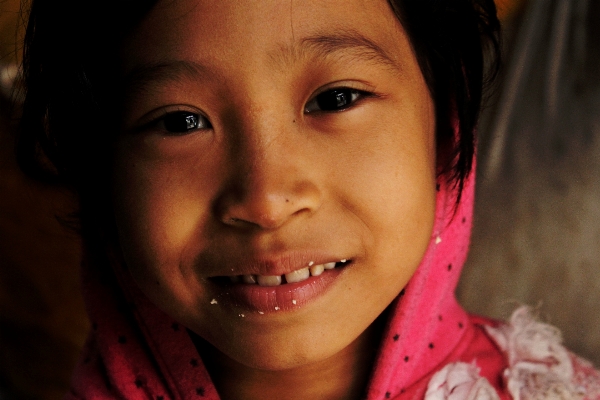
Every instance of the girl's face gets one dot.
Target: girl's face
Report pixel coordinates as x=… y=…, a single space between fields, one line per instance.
x=268 y=140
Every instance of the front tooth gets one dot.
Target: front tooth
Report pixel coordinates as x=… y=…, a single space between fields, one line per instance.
x=297 y=276
x=330 y=265
x=317 y=270
x=249 y=278
x=269 y=280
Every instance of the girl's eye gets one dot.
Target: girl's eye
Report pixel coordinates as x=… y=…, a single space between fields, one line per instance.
x=182 y=122
x=334 y=100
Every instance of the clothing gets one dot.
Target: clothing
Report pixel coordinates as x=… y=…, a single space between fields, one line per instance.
x=137 y=352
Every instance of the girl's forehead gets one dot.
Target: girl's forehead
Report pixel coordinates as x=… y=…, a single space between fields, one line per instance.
x=277 y=30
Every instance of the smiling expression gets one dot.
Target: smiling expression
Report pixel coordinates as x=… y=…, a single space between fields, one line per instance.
x=292 y=146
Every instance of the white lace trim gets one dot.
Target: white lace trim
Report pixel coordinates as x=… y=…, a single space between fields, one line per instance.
x=539 y=367
x=459 y=381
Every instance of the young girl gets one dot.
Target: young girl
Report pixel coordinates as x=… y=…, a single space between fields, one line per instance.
x=276 y=199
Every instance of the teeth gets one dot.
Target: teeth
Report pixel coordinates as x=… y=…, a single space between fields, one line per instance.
x=269 y=280
x=330 y=265
x=297 y=276
x=293 y=277
x=317 y=270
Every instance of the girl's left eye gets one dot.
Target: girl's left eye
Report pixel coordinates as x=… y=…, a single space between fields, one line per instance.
x=337 y=99
x=182 y=122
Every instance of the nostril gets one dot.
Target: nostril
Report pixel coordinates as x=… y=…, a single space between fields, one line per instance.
x=238 y=222
x=246 y=217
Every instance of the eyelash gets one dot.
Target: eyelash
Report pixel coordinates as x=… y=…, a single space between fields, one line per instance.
x=181 y=122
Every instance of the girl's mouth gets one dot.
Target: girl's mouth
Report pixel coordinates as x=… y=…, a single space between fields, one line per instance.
x=296 y=276
x=273 y=293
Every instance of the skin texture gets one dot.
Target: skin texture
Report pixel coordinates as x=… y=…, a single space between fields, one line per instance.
x=265 y=178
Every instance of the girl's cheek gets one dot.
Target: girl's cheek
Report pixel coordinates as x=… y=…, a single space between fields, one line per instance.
x=162 y=195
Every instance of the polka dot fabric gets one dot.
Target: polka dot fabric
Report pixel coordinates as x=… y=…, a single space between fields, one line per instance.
x=427 y=327
x=135 y=351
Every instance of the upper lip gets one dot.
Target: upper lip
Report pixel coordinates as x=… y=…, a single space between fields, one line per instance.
x=276 y=265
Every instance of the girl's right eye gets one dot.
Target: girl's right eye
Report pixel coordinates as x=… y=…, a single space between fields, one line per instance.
x=183 y=122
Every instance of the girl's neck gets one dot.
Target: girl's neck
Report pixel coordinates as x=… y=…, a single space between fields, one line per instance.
x=342 y=376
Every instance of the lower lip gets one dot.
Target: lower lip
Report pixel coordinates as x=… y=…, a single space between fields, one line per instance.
x=272 y=299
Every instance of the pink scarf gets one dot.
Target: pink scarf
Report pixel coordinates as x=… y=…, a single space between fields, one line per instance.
x=135 y=351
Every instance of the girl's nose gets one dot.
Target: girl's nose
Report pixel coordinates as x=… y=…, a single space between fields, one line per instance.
x=271 y=184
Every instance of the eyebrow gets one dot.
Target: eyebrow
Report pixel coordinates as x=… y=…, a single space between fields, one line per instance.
x=148 y=77
x=342 y=45
x=347 y=43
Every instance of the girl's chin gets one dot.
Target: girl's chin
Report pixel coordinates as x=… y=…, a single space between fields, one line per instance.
x=268 y=352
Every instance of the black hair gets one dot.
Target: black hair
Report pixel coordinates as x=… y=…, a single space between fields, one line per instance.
x=457 y=43
x=70 y=81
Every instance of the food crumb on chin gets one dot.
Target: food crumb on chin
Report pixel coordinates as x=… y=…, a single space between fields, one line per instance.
x=242 y=315
x=294 y=302
x=276 y=308
x=214 y=301
x=261 y=313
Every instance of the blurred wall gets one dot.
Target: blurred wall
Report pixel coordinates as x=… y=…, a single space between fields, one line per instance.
x=536 y=238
